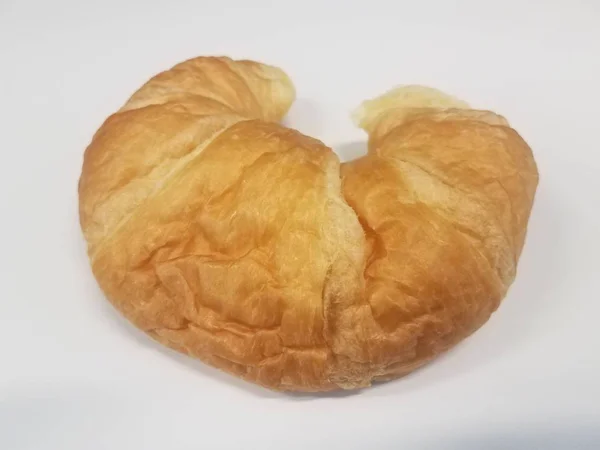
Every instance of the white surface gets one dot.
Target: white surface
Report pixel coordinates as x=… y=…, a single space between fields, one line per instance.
x=74 y=375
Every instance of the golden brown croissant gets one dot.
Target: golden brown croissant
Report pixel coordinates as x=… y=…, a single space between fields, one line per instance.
x=249 y=246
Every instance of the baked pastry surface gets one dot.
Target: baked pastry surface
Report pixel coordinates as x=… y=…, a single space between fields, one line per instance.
x=248 y=245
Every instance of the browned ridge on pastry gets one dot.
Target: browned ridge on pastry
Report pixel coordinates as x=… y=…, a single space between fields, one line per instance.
x=248 y=245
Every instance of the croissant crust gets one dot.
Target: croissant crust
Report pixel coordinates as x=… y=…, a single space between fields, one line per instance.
x=248 y=245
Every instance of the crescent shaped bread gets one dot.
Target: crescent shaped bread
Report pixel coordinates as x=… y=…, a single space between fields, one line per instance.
x=248 y=245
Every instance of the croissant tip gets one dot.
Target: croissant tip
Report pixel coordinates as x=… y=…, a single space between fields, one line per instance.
x=403 y=97
x=358 y=115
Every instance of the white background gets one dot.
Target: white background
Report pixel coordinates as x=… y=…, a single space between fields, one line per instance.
x=74 y=375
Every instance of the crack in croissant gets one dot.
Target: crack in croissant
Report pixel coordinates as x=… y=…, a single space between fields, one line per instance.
x=249 y=246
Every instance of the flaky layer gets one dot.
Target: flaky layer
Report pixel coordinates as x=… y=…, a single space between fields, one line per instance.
x=247 y=245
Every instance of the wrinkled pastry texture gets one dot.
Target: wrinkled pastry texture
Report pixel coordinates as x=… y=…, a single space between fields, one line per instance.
x=246 y=244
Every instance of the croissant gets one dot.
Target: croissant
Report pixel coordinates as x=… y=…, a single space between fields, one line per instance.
x=247 y=245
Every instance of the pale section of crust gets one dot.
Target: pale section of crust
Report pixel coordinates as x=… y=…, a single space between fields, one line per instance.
x=343 y=289
x=403 y=100
x=274 y=83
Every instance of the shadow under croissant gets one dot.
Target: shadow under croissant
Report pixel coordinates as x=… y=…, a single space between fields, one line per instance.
x=349 y=151
x=87 y=415
x=549 y=436
x=306 y=117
